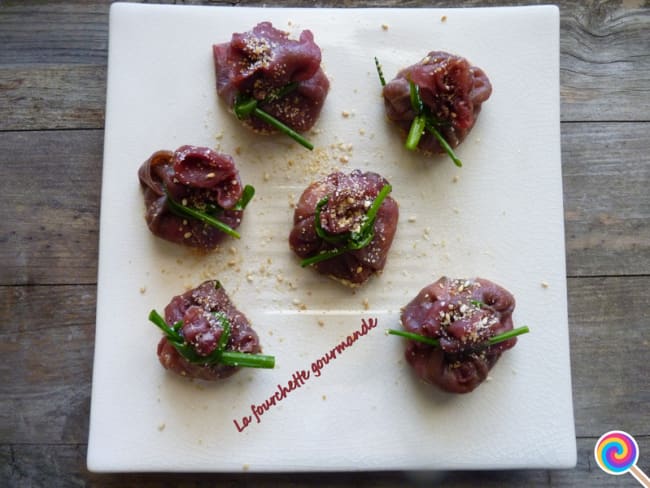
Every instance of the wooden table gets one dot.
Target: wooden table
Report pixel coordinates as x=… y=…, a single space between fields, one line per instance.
x=53 y=59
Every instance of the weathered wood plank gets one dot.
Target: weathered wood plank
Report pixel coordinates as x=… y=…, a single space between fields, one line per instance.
x=52 y=70
x=50 y=183
x=605 y=60
x=52 y=97
x=53 y=32
x=46 y=392
x=47 y=399
x=39 y=308
x=606 y=171
x=63 y=465
x=605 y=63
x=49 y=235
x=609 y=325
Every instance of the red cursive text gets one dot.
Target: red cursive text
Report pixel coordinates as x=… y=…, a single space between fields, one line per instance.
x=299 y=377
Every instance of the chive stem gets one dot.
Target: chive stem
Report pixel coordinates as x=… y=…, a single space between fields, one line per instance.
x=415 y=132
x=185 y=211
x=158 y=321
x=414 y=337
x=285 y=129
x=225 y=333
x=434 y=342
x=219 y=355
x=374 y=208
x=444 y=144
x=246 y=360
x=323 y=256
x=416 y=100
x=352 y=240
x=424 y=120
x=509 y=334
x=247 y=195
x=247 y=106
x=380 y=72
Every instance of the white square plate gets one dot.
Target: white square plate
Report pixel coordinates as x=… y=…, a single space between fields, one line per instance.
x=499 y=217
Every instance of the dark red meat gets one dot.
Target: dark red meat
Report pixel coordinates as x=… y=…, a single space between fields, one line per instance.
x=450 y=88
x=350 y=196
x=202 y=330
x=196 y=177
x=462 y=315
x=260 y=62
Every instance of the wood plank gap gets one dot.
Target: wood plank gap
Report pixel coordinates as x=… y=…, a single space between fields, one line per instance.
x=613 y=121
x=601 y=276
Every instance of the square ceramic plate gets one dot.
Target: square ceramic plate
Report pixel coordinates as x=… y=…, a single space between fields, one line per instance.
x=499 y=217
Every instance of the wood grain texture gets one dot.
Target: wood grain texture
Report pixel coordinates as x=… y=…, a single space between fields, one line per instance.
x=52 y=391
x=63 y=465
x=606 y=171
x=605 y=60
x=608 y=326
x=49 y=97
x=49 y=233
x=37 y=33
x=605 y=65
x=53 y=56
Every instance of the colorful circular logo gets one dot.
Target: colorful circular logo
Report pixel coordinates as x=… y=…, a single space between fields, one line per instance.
x=616 y=452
